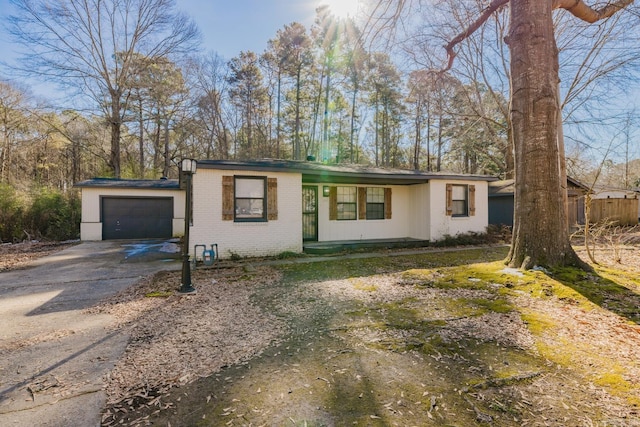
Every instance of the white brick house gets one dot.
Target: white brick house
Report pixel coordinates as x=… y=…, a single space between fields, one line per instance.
x=267 y=207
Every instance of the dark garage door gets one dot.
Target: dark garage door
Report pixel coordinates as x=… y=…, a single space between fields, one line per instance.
x=136 y=217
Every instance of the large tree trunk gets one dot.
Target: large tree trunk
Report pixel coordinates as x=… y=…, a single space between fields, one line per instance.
x=540 y=234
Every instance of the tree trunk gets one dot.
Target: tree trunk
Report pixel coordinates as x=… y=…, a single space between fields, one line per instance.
x=167 y=156
x=418 y=136
x=353 y=119
x=4 y=159
x=141 y=138
x=278 y=100
x=298 y=151
x=428 y=135
x=539 y=235
x=325 y=124
x=439 y=158
x=114 y=157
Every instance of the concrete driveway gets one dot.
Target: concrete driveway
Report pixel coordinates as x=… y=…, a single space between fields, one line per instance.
x=54 y=355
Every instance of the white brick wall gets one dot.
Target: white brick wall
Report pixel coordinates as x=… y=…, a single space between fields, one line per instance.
x=399 y=226
x=246 y=239
x=442 y=225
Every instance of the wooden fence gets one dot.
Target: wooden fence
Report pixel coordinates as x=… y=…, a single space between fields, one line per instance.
x=622 y=211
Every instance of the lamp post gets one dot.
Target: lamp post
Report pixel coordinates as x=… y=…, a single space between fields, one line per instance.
x=187 y=169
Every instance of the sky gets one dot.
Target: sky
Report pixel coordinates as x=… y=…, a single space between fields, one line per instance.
x=227 y=26
x=231 y=26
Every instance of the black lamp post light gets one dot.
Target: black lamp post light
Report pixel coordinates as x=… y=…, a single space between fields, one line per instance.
x=187 y=169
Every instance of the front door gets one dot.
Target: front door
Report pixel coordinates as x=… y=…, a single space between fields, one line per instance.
x=309 y=213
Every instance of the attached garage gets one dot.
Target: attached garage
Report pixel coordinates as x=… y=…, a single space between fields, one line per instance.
x=131 y=209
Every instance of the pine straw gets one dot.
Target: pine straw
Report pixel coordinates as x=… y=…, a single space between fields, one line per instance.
x=178 y=339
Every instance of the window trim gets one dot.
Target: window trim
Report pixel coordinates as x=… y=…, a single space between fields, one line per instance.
x=470 y=196
x=465 y=189
x=264 y=198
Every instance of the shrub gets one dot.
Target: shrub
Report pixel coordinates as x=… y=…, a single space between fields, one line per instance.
x=54 y=215
x=12 y=209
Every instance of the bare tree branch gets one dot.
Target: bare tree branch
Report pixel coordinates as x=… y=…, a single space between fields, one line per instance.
x=493 y=7
x=581 y=10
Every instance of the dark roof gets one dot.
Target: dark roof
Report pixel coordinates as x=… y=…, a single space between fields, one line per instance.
x=157 y=184
x=501 y=188
x=577 y=183
x=506 y=187
x=313 y=172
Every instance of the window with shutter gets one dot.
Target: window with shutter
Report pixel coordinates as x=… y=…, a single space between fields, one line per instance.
x=343 y=202
x=249 y=198
x=458 y=200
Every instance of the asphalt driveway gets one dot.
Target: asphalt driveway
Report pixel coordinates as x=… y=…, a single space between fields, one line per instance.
x=53 y=354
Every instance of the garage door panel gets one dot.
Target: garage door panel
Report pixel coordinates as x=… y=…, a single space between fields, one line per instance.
x=136 y=218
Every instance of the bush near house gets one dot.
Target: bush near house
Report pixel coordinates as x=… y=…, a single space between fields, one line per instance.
x=43 y=213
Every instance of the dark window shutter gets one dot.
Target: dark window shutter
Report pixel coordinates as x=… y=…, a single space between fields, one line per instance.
x=227 y=198
x=472 y=200
x=333 y=203
x=449 y=204
x=362 y=203
x=387 y=203
x=272 y=199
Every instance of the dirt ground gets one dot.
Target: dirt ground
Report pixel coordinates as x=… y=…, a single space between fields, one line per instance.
x=442 y=339
x=14 y=256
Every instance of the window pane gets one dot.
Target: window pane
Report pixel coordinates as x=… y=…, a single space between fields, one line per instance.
x=375 y=195
x=250 y=188
x=459 y=192
x=346 y=211
x=375 y=210
x=249 y=208
x=459 y=208
x=346 y=194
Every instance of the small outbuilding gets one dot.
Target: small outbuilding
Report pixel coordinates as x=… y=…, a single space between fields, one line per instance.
x=501 y=202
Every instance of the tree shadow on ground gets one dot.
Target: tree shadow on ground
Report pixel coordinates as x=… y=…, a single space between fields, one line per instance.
x=604 y=292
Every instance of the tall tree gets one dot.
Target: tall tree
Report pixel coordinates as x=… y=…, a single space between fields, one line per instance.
x=535 y=117
x=385 y=98
x=291 y=53
x=211 y=96
x=540 y=223
x=90 y=45
x=13 y=121
x=250 y=97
